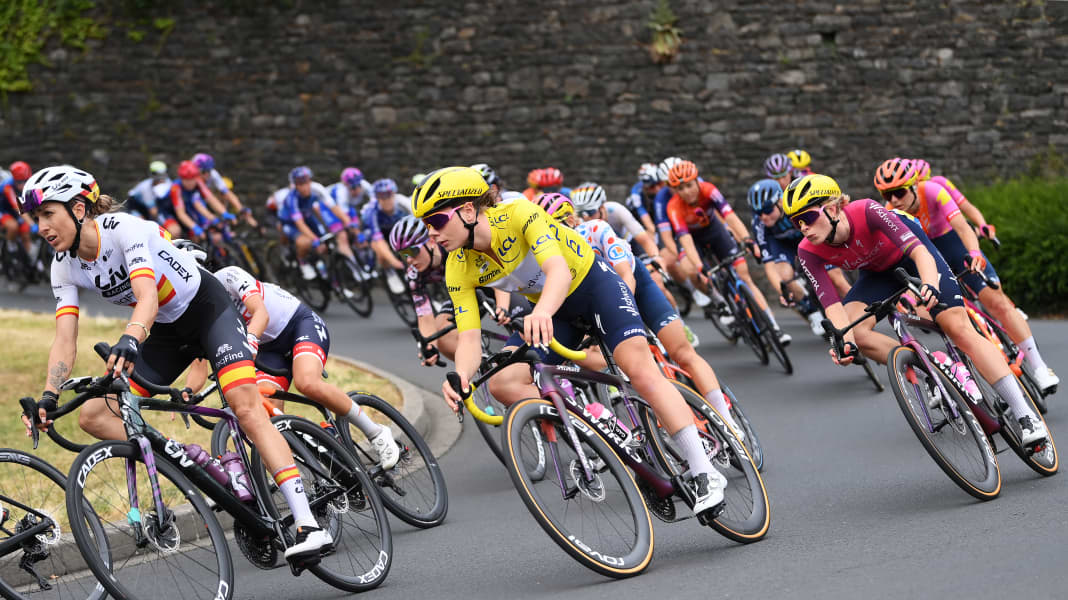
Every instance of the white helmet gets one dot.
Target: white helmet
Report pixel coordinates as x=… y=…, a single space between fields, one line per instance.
x=587 y=198
x=61 y=183
x=665 y=166
x=648 y=174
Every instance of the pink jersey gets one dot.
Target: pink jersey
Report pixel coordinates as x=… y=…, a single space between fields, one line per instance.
x=936 y=208
x=877 y=241
x=954 y=193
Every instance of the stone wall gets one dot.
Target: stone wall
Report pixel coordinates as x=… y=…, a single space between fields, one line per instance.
x=976 y=87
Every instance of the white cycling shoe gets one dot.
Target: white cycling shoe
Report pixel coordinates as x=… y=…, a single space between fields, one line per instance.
x=815 y=321
x=708 y=491
x=1046 y=380
x=309 y=543
x=384 y=445
x=1034 y=430
x=700 y=299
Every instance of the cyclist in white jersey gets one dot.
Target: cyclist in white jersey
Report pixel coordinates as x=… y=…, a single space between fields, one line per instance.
x=217 y=183
x=129 y=261
x=143 y=197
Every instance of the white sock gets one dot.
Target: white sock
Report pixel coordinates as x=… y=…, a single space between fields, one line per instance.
x=1010 y=391
x=357 y=417
x=690 y=443
x=1031 y=355
x=289 y=481
x=771 y=317
x=719 y=402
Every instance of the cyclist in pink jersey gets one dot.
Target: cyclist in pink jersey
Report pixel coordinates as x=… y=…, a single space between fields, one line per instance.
x=896 y=179
x=966 y=207
x=865 y=236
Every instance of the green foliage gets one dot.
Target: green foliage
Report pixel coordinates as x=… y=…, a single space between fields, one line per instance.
x=418 y=57
x=666 y=37
x=1031 y=220
x=27 y=25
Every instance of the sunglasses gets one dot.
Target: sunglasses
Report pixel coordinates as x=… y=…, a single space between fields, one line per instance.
x=898 y=193
x=440 y=219
x=409 y=252
x=768 y=209
x=808 y=217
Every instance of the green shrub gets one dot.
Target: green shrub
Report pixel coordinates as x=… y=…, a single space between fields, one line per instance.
x=1031 y=217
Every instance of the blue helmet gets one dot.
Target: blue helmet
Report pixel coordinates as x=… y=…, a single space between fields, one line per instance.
x=204 y=161
x=351 y=177
x=385 y=186
x=300 y=173
x=764 y=194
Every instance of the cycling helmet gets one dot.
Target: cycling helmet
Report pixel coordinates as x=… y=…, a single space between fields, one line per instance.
x=193 y=249
x=763 y=194
x=447 y=187
x=300 y=173
x=61 y=183
x=550 y=177
x=157 y=168
x=895 y=173
x=20 y=171
x=533 y=176
x=187 y=169
x=682 y=172
x=487 y=173
x=811 y=190
x=665 y=166
x=588 y=198
x=383 y=187
x=409 y=232
x=204 y=162
x=647 y=174
x=799 y=158
x=777 y=165
x=557 y=205
x=351 y=177
x=923 y=169
x=417 y=179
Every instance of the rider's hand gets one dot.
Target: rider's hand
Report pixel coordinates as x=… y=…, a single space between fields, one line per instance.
x=538 y=328
x=500 y=314
x=431 y=355
x=976 y=261
x=451 y=397
x=48 y=402
x=787 y=301
x=929 y=296
x=752 y=246
x=988 y=231
x=847 y=357
x=123 y=355
x=198 y=231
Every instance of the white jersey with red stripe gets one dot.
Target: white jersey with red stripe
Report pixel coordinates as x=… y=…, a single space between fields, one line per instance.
x=129 y=248
x=280 y=304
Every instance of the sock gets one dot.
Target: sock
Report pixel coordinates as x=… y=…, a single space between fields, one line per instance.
x=288 y=480
x=771 y=317
x=1031 y=355
x=692 y=448
x=1011 y=393
x=357 y=417
x=719 y=402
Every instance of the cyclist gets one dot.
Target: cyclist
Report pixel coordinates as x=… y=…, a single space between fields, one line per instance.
x=130 y=262
x=942 y=221
x=780 y=168
x=692 y=211
x=14 y=225
x=681 y=271
x=218 y=184
x=143 y=198
x=189 y=201
x=349 y=193
x=426 y=267
x=778 y=240
x=656 y=312
x=494 y=181
x=379 y=217
x=515 y=246
x=801 y=162
x=642 y=193
x=284 y=333
x=970 y=210
x=301 y=216
x=863 y=235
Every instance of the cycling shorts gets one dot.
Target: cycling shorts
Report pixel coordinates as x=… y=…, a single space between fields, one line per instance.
x=653 y=305
x=290 y=229
x=780 y=251
x=717 y=240
x=210 y=328
x=305 y=333
x=876 y=286
x=953 y=250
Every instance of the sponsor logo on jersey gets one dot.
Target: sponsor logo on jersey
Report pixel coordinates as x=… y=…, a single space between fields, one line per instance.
x=223 y=349
x=176 y=266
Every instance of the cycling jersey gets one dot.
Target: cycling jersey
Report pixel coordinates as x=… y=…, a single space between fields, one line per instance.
x=420 y=282
x=215 y=181
x=778 y=243
x=509 y=195
x=189 y=199
x=621 y=220
x=129 y=248
x=377 y=223
x=638 y=201
x=601 y=236
x=302 y=208
x=684 y=217
x=935 y=208
x=9 y=204
x=346 y=201
x=304 y=333
x=954 y=193
x=147 y=193
x=878 y=240
x=279 y=303
x=523 y=237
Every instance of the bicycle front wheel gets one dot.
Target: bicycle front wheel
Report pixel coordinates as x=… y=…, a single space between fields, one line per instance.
x=354 y=290
x=602 y=522
x=956 y=442
x=744 y=308
x=38 y=561
x=768 y=334
x=181 y=550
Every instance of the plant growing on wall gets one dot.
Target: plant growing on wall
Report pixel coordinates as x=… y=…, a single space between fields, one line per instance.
x=666 y=37
x=25 y=27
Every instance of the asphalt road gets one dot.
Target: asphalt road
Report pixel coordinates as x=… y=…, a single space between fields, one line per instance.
x=858 y=508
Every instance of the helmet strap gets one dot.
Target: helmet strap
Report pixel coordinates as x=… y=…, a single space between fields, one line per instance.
x=470 y=244
x=77 y=230
x=834 y=226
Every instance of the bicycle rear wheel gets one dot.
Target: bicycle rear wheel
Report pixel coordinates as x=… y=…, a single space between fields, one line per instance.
x=768 y=334
x=683 y=297
x=866 y=365
x=956 y=443
x=345 y=503
x=602 y=523
x=45 y=565
x=182 y=552
x=354 y=292
x=746 y=516
x=745 y=311
x=414 y=489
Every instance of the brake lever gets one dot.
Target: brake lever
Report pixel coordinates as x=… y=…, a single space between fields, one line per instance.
x=29 y=408
x=454 y=380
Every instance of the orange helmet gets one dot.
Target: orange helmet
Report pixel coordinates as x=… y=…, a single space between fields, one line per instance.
x=532 y=177
x=549 y=177
x=895 y=173
x=682 y=172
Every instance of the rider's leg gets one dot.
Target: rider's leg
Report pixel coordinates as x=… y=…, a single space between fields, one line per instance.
x=872 y=344
x=1003 y=309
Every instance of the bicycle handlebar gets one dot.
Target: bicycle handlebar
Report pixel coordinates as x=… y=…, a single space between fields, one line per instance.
x=966 y=271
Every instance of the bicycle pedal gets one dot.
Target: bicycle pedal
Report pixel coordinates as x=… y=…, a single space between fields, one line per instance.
x=706 y=517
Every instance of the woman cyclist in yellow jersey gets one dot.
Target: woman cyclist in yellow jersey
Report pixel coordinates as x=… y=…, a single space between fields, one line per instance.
x=516 y=246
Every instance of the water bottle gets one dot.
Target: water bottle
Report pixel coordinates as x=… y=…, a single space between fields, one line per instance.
x=211 y=465
x=617 y=429
x=960 y=374
x=321 y=267
x=235 y=470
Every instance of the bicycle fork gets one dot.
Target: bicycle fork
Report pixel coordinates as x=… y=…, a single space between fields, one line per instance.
x=144 y=530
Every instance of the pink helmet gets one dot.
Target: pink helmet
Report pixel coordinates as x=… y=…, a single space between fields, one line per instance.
x=557 y=205
x=922 y=168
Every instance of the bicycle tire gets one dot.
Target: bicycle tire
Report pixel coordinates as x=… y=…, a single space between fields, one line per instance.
x=982 y=486
x=683 y=297
x=1029 y=384
x=141 y=562
x=413 y=490
x=744 y=309
x=873 y=376
x=767 y=333
x=746 y=517
x=326 y=467
x=752 y=440
x=1045 y=462
x=60 y=570
x=636 y=550
x=490 y=433
x=356 y=294
x=401 y=302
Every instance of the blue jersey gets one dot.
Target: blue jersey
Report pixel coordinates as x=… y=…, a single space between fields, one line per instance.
x=377 y=222
x=778 y=243
x=9 y=197
x=191 y=199
x=638 y=201
x=302 y=208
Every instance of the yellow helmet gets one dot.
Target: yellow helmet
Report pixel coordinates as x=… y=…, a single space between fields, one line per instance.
x=447 y=187
x=799 y=158
x=809 y=191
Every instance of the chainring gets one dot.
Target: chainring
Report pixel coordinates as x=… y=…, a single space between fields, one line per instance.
x=261 y=553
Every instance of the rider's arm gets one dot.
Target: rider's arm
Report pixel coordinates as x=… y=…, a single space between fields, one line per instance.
x=686 y=241
x=966 y=233
x=736 y=226
x=645 y=240
x=647 y=223
x=557 y=282
x=259 y=316
x=340 y=214
x=925 y=264
x=302 y=227
x=203 y=210
x=179 y=209
x=772 y=273
x=64 y=350
x=198 y=375
x=211 y=200
x=626 y=273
